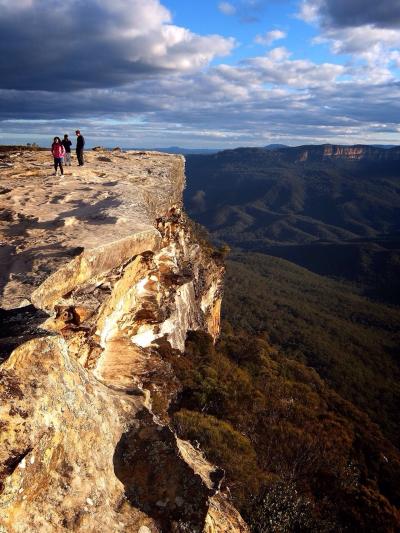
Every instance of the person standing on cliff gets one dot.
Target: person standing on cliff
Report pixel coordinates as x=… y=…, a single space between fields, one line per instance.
x=67 y=145
x=80 y=143
x=58 y=151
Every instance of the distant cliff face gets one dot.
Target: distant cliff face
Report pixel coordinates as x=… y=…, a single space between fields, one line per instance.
x=332 y=151
x=113 y=269
x=332 y=209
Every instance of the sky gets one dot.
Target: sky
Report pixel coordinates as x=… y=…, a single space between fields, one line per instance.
x=200 y=74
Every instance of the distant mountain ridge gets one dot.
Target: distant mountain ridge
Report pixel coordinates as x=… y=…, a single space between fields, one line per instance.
x=306 y=152
x=321 y=152
x=180 y=150
x=275 y=146
x=337 y=151
x=329 y=208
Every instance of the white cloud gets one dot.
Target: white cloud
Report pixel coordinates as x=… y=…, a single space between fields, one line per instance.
x=373 y=51
x=364 y=41
x=264 y=97
x=96 y=43
x=309 y=10
x=227 y=8
x=270 y=37
x=279 y=54
x=276 y=68
x=360 y=29
x=223 y=106
x=137 y=79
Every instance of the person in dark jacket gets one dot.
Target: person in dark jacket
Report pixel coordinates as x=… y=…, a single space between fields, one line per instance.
x=80 y=143
x=67 y=145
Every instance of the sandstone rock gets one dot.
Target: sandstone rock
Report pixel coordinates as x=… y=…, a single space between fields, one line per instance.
x=85 y=443
x=106 y=210
x=334 y=151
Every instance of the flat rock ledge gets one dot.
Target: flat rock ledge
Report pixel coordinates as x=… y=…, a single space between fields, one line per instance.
x=107 y=209
x=99 y=269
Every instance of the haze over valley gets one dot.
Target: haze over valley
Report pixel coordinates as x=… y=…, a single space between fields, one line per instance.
x=334 y=210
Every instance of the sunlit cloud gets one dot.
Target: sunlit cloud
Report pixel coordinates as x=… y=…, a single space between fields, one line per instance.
x=270 y=37
x=110 y=43
x=135 y=78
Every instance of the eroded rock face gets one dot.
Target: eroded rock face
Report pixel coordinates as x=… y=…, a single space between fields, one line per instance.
x=105 y=209
x=59 y=429
x=82 y=442
x=338 y=152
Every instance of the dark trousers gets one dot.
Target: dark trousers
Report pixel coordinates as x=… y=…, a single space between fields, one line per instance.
x=79 y=155
x=58 y=162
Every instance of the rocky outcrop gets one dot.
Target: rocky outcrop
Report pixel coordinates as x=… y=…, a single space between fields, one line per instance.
x=107 y=269
x=338 y=152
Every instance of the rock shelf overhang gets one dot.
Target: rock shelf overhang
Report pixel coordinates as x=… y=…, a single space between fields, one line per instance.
x=114 y=271
x=107 y=209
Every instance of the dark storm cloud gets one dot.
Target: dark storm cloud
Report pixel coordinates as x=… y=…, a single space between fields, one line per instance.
x=351 y=13
x=381 y=13
x=63 y=46
x=36 y=105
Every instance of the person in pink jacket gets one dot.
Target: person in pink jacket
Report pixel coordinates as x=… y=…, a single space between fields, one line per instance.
x=58 y=151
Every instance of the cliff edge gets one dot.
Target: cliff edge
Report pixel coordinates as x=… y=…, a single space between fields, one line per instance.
x=99 y=269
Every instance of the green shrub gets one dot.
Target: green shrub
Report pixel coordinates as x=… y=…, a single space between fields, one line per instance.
x=225 y=447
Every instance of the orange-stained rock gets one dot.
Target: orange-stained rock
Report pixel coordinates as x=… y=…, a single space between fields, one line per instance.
x=102 y=214
x=85 y=444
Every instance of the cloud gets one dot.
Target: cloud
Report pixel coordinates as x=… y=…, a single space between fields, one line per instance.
x=96 y=43
x=225 y=106
x=375 y=50
x=247 y=11
x=368 y=31
x=277 y=68
x=270 y=37
x=361 y=39
x=351 y=13
x=131 y=77
x=226 y=8
x=308 y=11
x=262 y=99
x=347 y=13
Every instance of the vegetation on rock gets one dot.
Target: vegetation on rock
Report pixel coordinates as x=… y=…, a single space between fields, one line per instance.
x=307 y=368
x=350 y=341
x=297 y=456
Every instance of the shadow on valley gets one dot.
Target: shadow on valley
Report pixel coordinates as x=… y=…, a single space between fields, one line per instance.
x=350 y=341
x=298 y=402
x=335 y=216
